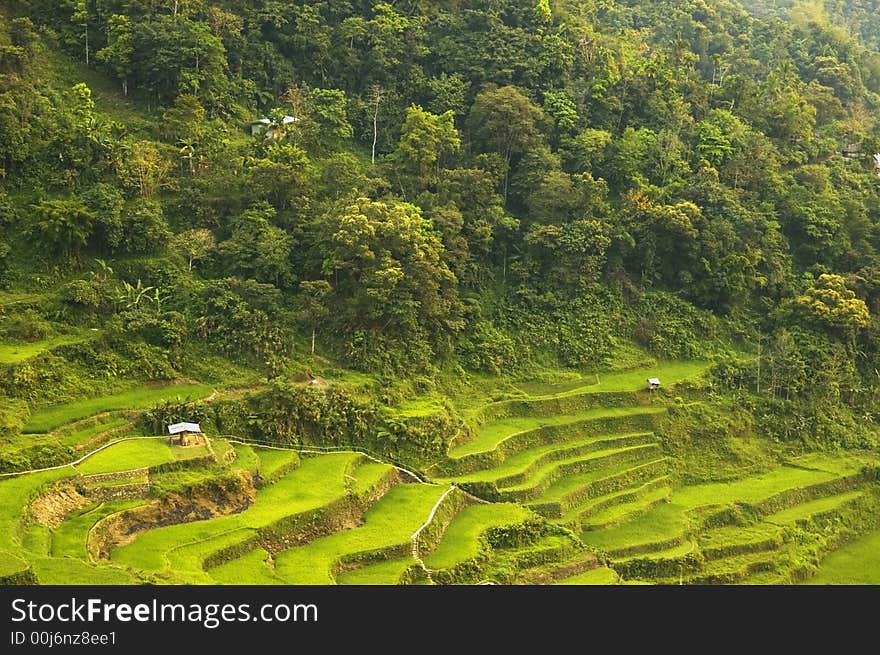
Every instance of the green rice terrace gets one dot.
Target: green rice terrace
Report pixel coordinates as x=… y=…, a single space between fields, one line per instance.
x=573 y=482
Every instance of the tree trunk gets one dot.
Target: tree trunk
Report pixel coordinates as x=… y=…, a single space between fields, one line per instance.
x=375 y=128
x=506 y=175
x=313 y=340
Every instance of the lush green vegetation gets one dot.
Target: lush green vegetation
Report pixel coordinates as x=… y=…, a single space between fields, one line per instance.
x=488 y=225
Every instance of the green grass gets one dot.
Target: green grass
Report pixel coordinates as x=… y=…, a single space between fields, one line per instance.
x=367 y=475
x=806 y=510
x=391 y=521
x=598 y=576
x=857 y=563
x=82 y=435
x=492 y=434
x=11 y=563
x=248 y=569
x=272 y=461
x=70 y=538
x=184 y=562
x=12 y=353
x=52 y=418
x=128 y=455
x=420 y=406
x=383 y=573
x=246 y=458
x=461 y=540
x=317 y=481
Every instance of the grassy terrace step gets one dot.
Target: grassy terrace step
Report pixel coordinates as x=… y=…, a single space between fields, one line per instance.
x=857 y=563
x=491 y=435
x=69 y=539
x=576 y=564
x=12 y=353
x=522 y=466
x=567 y=493
x=807 y=510
x=620 y=507
x=274 y=463
x=462 y=540
x=382 y=573
x=752 y=489
x=731 y=541
x=617 y=389
x=81 y=433
x=250 y=568
x=672 y=552
x=663 y=525
x=602 y=423
x=597 y=576
x=549 y=550
x=600 y=460
x=51 y=418
x=386 y=531
x=137 y=454
x=736 y=569
x=631 y=380
x=317 y=482
x=15 y=494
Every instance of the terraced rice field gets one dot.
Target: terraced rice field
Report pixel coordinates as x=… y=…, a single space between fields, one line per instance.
x=179 y=549
x=461 y=541
x=569 y=485
x=386 y=531
x=52 y=418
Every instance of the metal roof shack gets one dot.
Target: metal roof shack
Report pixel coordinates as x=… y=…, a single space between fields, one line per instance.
x=263 y=125
x=653 y=383
x=178 y=428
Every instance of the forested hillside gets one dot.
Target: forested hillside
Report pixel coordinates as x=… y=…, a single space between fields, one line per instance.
x=468 y=188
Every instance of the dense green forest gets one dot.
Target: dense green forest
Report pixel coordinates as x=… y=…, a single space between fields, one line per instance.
x=469 y=187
